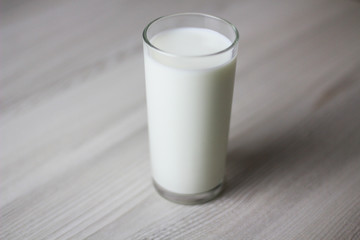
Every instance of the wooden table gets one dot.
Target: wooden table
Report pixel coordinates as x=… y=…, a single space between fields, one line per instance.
x=73 y=130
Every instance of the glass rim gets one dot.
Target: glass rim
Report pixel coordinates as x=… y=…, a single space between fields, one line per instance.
x=232 y=45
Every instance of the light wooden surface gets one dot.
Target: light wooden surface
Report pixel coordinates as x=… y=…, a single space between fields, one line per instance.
x=73 y=131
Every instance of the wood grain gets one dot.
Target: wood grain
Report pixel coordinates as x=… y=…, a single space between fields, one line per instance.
x=74 y=148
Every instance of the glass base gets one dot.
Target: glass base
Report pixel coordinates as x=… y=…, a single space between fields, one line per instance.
x=189 y=199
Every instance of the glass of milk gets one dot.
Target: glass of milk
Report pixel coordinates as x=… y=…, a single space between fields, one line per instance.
x=190 y=62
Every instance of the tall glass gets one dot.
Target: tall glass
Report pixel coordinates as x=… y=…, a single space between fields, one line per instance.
x=190 y=62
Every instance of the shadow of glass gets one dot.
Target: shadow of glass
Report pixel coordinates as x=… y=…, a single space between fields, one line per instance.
x=316 y=146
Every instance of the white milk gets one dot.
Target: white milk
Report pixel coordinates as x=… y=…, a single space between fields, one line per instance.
x=189 y=104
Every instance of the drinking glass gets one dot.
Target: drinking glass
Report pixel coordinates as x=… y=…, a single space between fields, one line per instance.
x=189 y=87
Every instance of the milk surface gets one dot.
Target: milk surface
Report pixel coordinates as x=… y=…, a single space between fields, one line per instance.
x=190 y=41
x=189 y=104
